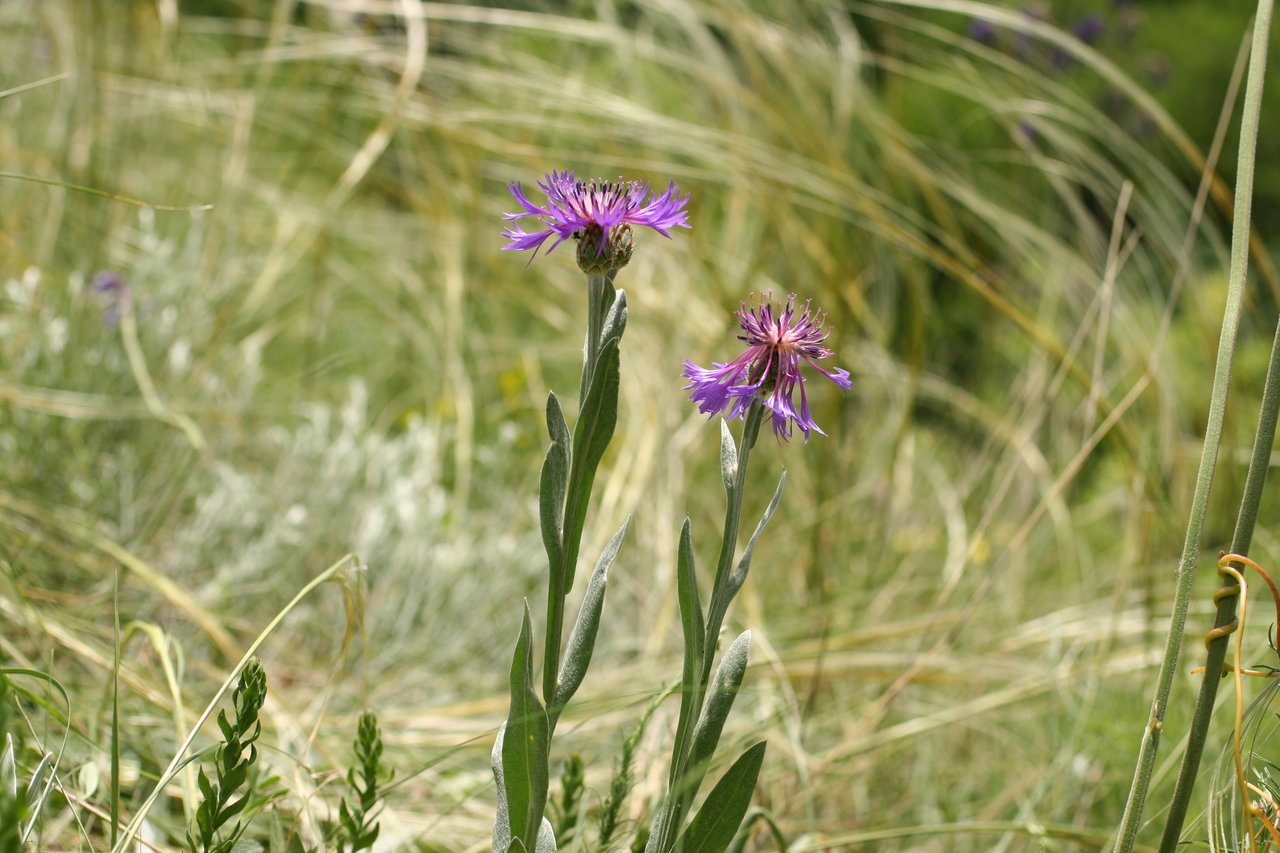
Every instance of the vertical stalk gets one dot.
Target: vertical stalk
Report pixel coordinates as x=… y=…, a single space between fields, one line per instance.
x=681 y=788
x=1213 y=433
x=1255 y=480
x=728 y=544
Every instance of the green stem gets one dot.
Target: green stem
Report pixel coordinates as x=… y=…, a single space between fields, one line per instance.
x=1216 y=654
x=598 y=288
x=681 y=791
x=600 y=296
x=729 y=543
x=1213 y=433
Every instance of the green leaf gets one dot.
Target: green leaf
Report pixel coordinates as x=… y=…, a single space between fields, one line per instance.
x=525 y=764
x=728 y=458
x=615 y=321
x=739 y=575
x=232 y=810
x=694 y=636
x=9 y=769
x=582 y=639
x=555 y=473
x=720 y=696
x=596 y=421
x=717 y=822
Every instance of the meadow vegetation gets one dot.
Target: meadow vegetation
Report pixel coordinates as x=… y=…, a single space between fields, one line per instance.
x=256 y=329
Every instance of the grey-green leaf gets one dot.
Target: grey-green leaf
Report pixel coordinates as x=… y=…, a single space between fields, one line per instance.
x=720 y=696
x=728 y=458
x=596 y=421
x=717 y=822
x=502 y=822
x=582 y=640
x=9 y=768
x=739 y=575
x=546 y=838
x=615 y=321
x=555 y=478
x=525 y=746
x=691 y=623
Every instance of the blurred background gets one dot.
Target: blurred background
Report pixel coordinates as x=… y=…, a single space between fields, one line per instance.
x=278 y=328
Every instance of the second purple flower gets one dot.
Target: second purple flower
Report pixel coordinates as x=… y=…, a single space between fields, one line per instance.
x=779 y=341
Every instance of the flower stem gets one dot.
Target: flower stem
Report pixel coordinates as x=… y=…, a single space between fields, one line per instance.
x=1213 y=434
x=684 y=778
x=599 y=297
x=720 y=595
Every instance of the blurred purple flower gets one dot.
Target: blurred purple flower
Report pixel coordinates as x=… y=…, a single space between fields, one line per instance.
x=1089 y=28
x=114 y=292
x=983 y=31
x=777 y=345
x=574 y=206
x=1060 y=59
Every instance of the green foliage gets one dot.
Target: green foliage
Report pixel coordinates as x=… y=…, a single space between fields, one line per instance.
x=568 y=807
x=13 y=801
x=234 y=761
x=368 y=778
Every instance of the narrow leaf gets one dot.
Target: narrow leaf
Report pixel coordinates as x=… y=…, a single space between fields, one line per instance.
x=9 y=768
x=744 y=565
x=555 y=473
x=546 y=838
x=720 y=696
x=502 y=821
x=591 y=437
x=728 y=458
x=582 y=639
x=525 y=745
x=615 y=321
x=717 y=822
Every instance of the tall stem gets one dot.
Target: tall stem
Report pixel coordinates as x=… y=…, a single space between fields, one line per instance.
x=720 y=595
x=1213 y=433
x=1216 y=654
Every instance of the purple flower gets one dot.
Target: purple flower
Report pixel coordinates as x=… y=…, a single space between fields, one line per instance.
x=576 y=208
x=777 y=344
x=983 y=31
x=1089 y=28
x=114 y=292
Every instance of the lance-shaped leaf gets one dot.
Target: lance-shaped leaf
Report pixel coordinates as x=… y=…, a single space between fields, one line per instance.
x=717 y=822
x=555 y=477
x=582 y=640
x=596 y=420
x=728 y=458
x=694 y=630
x=502 y=821
x=525 y=747
x=719 y=701
x=615 y=321
x=744 y=565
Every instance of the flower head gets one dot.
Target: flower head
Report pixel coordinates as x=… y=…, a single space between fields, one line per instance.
x=598 y=213
x=779 y=339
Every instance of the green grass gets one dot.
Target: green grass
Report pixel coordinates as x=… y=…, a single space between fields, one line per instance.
x=956 y=609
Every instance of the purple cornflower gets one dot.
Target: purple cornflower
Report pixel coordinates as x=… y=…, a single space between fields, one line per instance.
x=1089 y=28
x=114 y=291
x=777 y=344
x=983 y=31
x=591 y=210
